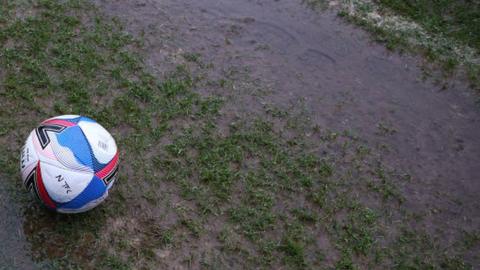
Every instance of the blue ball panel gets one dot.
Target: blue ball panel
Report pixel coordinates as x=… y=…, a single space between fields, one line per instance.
x=93 y=191
x=74 y=139
x=86 y=119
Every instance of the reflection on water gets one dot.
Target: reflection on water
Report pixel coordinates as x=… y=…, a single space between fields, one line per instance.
x=14 y=248
x=33 y=237
x=61 y=238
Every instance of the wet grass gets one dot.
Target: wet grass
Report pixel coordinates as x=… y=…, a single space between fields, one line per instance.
x=197 y=188
x=457 y=19
x=445 y=32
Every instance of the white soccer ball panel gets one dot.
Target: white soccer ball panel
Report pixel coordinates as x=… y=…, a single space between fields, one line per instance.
x=102 y=143
x=28 y=157
x=63 y=184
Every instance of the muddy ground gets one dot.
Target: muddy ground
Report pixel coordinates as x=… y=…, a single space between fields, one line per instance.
x=345 y=82
x=282 y=54
x=15 y=248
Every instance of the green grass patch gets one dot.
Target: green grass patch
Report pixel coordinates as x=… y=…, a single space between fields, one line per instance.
x=457 y=19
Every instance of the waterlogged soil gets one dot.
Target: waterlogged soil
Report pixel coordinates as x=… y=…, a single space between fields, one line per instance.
x=283 y=54
x=14 y=249
x=341 y=79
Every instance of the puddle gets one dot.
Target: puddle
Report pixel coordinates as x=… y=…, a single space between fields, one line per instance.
x=347 y=82
x=14 y=249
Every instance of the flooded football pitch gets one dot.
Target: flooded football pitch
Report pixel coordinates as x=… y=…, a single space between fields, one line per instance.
x=309 y=61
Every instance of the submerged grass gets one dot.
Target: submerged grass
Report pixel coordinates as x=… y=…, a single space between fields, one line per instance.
x=446 y=32
x=193 y=191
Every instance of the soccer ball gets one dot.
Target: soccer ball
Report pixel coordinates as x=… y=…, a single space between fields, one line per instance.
x=69 y=163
